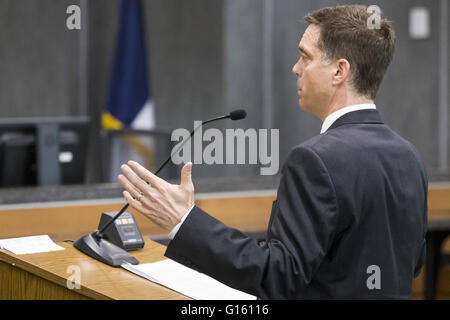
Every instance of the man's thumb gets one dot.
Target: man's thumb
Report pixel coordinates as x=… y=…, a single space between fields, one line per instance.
x=186 y=174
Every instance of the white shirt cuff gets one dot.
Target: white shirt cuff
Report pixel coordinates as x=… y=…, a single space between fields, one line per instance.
x=177 y=227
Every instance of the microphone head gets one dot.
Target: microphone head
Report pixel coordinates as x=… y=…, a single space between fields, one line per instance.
x=238 y=114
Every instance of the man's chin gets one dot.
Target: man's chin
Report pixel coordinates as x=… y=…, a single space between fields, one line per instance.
x=302 y=105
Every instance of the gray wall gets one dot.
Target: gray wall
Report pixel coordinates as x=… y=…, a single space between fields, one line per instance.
x=206 y=58
x=38 y=59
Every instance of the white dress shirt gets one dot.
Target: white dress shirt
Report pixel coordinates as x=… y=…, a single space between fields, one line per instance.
x=329 y=120
x=175 y=229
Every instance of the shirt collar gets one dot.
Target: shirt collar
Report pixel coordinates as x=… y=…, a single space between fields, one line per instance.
x=339 y=113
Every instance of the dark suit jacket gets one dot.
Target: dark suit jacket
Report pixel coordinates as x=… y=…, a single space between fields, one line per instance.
x=349 y=221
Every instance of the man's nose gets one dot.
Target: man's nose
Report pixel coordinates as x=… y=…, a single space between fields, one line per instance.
x=296 y=69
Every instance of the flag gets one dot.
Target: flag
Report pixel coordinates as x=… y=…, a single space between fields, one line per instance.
x=129 y=100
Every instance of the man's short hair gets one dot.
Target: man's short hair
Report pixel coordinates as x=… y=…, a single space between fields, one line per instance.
x=345 y=34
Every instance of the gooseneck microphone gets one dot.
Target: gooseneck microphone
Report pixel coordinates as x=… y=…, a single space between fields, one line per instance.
x=237 y=114
x=95 y=246
x=233 y=115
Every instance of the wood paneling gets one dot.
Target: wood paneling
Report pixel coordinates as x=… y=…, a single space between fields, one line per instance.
x=71 y=222
x=44 y=276
x=439 y=196
x=245 y=213
x=17 y=284
x=438 y=201
x=61 y=223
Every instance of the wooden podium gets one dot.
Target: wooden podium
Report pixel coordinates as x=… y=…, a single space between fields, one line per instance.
x=46 y=276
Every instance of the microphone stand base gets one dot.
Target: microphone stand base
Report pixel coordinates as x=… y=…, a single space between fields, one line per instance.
x=104 y=251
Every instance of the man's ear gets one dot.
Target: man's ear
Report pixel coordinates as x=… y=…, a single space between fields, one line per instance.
x=341 y=71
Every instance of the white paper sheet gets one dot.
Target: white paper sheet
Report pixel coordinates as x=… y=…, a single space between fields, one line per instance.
x=187 y=281
x=27 y=245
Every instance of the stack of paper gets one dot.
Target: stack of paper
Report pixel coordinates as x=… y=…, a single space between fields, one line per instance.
x=27 y=245
x=187 y=281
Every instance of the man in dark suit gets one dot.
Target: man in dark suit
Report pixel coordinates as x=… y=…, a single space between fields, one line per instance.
x=351 y=210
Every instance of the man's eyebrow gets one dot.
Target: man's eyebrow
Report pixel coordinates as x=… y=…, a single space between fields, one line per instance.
x=304 y=51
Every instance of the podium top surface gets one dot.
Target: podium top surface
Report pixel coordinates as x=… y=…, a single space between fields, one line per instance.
x=98 y=280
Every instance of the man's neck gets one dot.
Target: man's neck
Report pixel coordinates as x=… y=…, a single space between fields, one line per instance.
x=335 y=106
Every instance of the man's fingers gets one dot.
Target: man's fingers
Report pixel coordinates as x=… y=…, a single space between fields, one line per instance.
x=134 y=178
x=128 y=186
x=133 y=202
x=147 y=211
x=146 y=175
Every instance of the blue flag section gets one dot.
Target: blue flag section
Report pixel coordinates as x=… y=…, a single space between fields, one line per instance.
x=129 y=87
x=129 y=101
